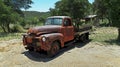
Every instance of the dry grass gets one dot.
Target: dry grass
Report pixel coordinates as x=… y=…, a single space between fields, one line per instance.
x=92 y=54
x=9 y=36
x=105 y=35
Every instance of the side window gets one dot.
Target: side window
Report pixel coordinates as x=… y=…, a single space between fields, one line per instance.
x=67 y=22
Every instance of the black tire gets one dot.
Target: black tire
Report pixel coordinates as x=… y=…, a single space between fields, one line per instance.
x=84 y=37
x=31 y=49
x=55 y=47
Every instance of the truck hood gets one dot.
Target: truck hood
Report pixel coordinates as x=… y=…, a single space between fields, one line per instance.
x=44 y=29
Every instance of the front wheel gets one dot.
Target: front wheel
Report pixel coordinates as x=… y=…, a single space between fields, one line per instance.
x=31 y=49
x=55 y=46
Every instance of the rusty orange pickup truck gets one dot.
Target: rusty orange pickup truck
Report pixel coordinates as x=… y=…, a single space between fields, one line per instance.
x=57 y=32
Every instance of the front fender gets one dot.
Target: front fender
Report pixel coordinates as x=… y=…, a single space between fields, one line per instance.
x=53 y=37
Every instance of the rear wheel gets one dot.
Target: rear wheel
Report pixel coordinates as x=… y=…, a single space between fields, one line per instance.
x=84 y=37
x=55 y=46
x=31 y=49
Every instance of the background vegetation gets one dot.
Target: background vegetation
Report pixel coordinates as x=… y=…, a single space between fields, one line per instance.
x=15 y=20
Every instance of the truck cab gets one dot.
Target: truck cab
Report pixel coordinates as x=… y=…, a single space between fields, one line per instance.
x=67 y=29
x=56 y=31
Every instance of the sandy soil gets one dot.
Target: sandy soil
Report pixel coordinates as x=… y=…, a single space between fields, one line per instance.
x=92 y=54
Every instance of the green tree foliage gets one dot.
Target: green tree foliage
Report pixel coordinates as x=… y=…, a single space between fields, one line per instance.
x=74 y=8
x=109 y=9
x=114 y=14
x=10 y=11
x=33 y=18
x=7 y=16
x=17 y=5
x=39 y=15
x=100 y=8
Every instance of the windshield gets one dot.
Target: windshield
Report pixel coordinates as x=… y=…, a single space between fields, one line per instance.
x=53 y=21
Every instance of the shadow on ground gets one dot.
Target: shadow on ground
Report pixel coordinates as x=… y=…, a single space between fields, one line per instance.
x=113 y=42
x=40 y=57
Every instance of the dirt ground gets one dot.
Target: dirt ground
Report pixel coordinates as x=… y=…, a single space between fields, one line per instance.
x=91 y=54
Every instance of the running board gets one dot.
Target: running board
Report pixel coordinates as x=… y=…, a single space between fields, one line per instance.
x=70 y=43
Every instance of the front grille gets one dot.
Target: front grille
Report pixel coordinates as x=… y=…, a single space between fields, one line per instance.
x=32 y=41
x=36 y=42
x=29 y=38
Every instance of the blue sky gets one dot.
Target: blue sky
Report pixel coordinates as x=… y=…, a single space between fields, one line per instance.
x=44 y=5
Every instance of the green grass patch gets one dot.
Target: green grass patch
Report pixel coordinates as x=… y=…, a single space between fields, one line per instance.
x=105 y=35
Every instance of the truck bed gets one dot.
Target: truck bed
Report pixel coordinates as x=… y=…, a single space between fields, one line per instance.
x=83 y=29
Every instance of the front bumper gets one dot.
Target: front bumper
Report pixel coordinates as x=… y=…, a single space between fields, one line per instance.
x=35 y=43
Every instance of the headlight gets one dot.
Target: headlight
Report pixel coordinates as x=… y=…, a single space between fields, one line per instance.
x=43 y=39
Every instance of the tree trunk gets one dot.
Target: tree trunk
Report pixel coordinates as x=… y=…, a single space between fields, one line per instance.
x=118 y=34
x=3 y=29
x=110 y=23
x=8 y=27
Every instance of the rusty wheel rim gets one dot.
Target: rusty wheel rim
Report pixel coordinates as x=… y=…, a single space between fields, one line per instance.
x=54 y=49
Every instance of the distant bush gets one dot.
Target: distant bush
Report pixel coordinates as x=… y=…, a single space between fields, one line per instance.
x=104 y=23
x=17 y=28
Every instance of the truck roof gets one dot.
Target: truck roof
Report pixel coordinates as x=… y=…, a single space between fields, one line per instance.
x=59 y=17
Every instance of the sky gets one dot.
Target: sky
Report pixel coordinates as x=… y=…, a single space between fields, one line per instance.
x=44 y=5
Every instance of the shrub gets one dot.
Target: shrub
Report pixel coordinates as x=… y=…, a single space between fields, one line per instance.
x=17 y=28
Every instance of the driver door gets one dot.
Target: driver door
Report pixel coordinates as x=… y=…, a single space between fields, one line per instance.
x=68 y=30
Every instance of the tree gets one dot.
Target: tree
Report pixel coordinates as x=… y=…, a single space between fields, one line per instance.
x=74 y=8
x=114 y=14
x=10 y=11
x=7 y=16
x=109 y=9
x=17 y=5
x=101 y=8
